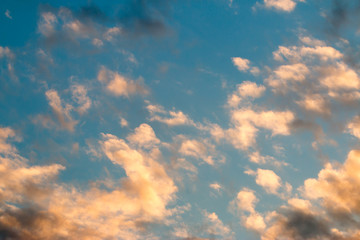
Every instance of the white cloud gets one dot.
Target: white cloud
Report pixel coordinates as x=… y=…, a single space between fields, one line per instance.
x=246 y=123
x=245 y=90
x=254 y=221
x=246 y=200
x=286 y=74
x=216 y=186
x=242 y=64
x=144 y=136
x=268 y=180
x=265 y=119
x=339 y=76
x=281 y=5
x=61 y=211
x=120 y=85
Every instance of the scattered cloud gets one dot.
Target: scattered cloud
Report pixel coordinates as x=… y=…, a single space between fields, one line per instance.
x=242 y=64
x=119 y=85
x=62 y=112
x=281 y=5
x=245 y=90
x=144 y=136
x=79 y=95
x=8 y=14
x=170 y=118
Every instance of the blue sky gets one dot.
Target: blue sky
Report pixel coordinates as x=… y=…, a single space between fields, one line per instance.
x=157 y=119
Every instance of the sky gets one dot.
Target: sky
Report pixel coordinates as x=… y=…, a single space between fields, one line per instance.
x=180 y=119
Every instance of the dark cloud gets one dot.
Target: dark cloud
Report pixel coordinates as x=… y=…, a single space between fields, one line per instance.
x=306 y=226
x=301 y=125
x=23 y=223
x=145 y=17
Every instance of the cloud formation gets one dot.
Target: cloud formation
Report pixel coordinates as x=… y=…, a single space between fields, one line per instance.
x=34 y=206
x=119 y=85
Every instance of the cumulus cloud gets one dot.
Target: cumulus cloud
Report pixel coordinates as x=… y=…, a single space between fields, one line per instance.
x=245 y=90
x=281 y=5
x=62 y=112
x=120 y=85
x=330 y=209
x=317 y=76
x=245 y=203
x=149 y=186
x=144 y=136
x=268 y=180
x=34 y=206
x=242 y=64
x=315 y=103
x=246 y=123
x=246 y=200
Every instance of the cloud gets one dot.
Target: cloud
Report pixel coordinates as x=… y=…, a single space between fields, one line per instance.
x=354 y=126
x=281 y=5
x=170 y=118
x=216 y=186
x=6 y=52
x=315 y=103
x=268 y=180
x=315 y=76
x=246 y=200
x=34 y=206
x=330 y=209
x=242 y=64
x=129 y=19
x=245 y=203
x=119 y=85
x=79 y=95
x=215 y=226
x=246 y=123
x=5 y=134
x=287 y=73
x=203 y=150
x=245 y=90
x=47 y=23
x=62 y=113
x=8 y=14
x=144 y=136
x=264 y=119
x=257 y=158
x=339 y=77
x=149 y=188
